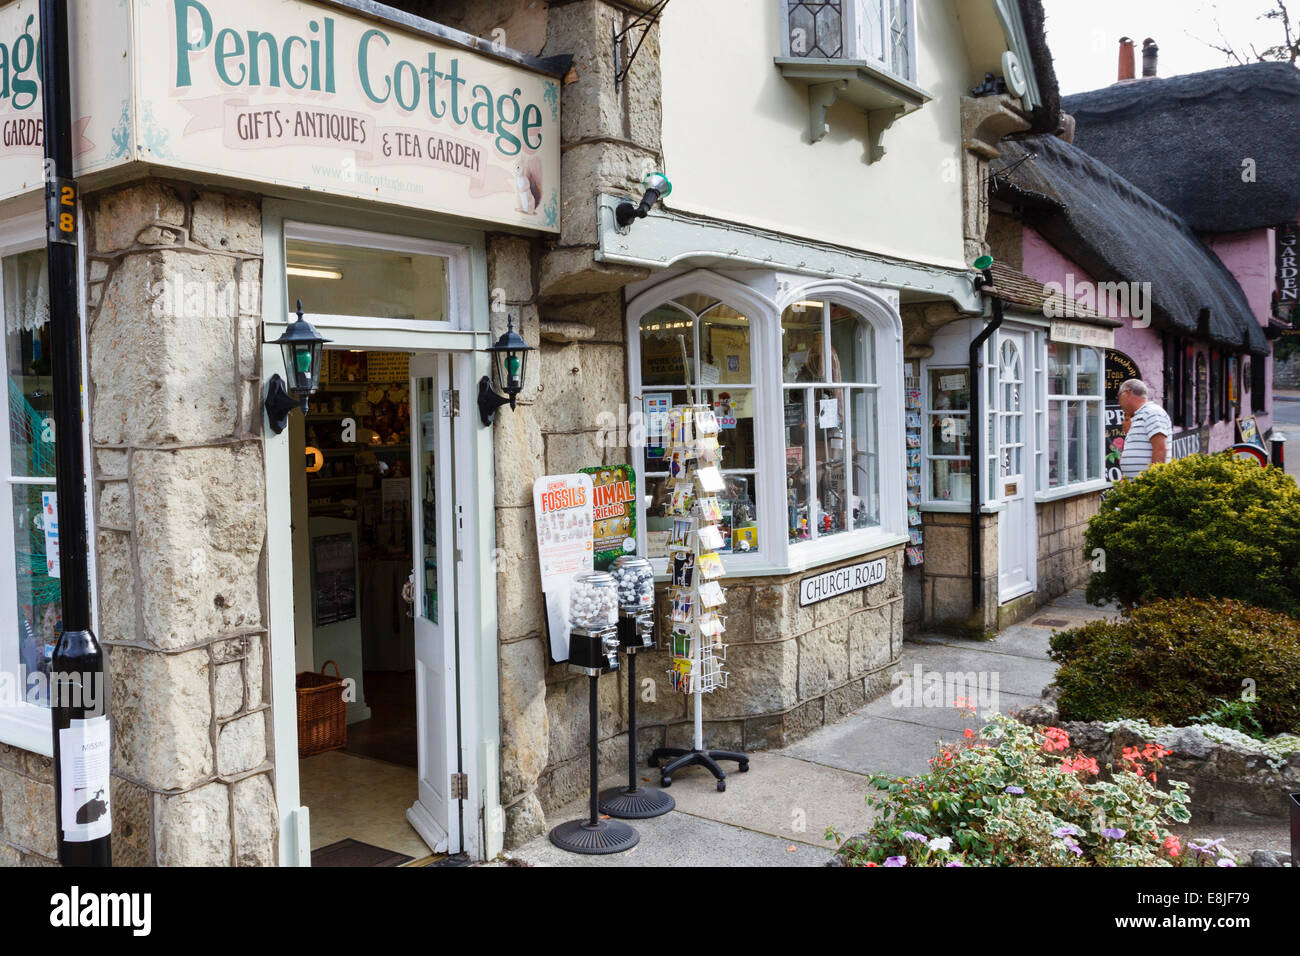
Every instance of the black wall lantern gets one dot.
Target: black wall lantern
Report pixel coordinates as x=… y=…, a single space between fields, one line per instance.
x=509 y=365
x=657 y=187
x=302 y=346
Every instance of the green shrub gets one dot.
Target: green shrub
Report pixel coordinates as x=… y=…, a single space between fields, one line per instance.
x=1203 y=526
x=1010 y=796
x=1171 y=661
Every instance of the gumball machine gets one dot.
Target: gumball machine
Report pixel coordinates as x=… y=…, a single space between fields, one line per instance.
x=635 y=581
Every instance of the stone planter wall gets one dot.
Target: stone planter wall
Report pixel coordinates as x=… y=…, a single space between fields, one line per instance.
x=1228 y=783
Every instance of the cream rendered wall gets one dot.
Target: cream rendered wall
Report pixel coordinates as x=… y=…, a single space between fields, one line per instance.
x=736 y=142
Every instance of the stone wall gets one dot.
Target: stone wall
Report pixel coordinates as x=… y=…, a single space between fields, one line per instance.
x=946 y=587
x=1287 y=374
x=174 y=338
x=27 y=836
x=1062 y=563
x=791 y=669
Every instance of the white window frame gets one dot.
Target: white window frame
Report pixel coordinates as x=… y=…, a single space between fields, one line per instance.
x=25 y=725
x=856 y=46
x=775 y=553
x=458 y=274
x=928 y=412
x=1096 y=425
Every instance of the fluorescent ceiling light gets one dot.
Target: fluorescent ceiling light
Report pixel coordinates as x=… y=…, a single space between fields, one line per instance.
x=303 y=272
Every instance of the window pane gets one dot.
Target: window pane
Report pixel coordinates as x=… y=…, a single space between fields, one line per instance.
x=667 y=348
x=1093 y=412
x=853 y=346
x=40 y=611
x=1058 y=369
x=351 y=280
x=816 y=28
x=726 y=348
x=1054 y=447
x=802 y=342
x=1088 y=372
x=949 y=388
x=797 y=467
x=950 y=480
x=739 y=525
x=949 y=433
x=1075 y=430
x=832 y=512
x=734 y=408
x=864 y=457
x=27 y=348
x=658 y=523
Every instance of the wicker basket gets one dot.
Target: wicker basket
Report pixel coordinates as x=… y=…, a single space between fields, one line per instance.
x=322 y=712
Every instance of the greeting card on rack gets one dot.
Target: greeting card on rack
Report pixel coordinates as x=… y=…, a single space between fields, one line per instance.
x=710 y=510
x=683 y=568
x=707 y=450
x=710 y=537
x=710 y=565
x=706 y=423
x=711 y=594
x=710 y=479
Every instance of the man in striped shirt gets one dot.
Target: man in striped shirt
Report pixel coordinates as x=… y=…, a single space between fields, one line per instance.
x=1147 y=429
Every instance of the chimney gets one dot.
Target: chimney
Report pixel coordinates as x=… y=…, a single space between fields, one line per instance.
x=1149 y=53
x=1127 y=65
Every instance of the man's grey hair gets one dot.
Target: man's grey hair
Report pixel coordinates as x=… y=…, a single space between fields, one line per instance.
x=1136 y=386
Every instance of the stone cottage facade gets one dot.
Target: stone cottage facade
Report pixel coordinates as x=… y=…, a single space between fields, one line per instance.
x=187 y=481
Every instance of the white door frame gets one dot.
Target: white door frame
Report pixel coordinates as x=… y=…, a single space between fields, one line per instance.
x=1020 y=485
x=476 y=589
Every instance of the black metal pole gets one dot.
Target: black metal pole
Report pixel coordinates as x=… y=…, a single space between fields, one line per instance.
x=984 y=280
x=631 y=720
x=593 y=717
x=78 y=705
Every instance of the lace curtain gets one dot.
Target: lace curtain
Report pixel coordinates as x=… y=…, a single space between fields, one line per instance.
x=27 y=292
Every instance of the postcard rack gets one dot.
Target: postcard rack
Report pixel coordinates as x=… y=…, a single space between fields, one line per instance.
x=696 y=621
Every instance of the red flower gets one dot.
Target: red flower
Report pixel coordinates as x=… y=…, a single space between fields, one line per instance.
x=1172 y=845
x=969 y=733
x=1054 y=738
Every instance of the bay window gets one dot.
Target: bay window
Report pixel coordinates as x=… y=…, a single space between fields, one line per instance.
x=808 y=391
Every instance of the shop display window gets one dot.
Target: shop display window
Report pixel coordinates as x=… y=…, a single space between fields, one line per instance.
x=697 y=349
x=948 y=433
x=334 y=278
x=830 y=409
x=33 y=602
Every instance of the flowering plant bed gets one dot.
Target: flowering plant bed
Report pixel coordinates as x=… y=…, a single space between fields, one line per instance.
x=1010 y=795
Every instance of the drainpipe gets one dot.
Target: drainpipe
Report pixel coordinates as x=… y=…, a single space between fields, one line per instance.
x=78 y=705
x=983 y=281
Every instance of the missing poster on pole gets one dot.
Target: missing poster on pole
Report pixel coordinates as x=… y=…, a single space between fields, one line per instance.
x=562 y=511
x=84 y=749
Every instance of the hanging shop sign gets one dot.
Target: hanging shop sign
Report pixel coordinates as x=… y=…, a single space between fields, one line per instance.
x=295 y=94
x=1119 y=369
x=829 y=584
x=613 y=513
x=99 y=68
x=1081 y=333
x=563 y=513
x=1288 y=272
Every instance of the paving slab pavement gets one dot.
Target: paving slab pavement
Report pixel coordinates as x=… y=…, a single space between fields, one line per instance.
x=777 y=813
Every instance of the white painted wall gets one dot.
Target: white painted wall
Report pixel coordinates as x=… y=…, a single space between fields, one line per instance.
x=736 y=143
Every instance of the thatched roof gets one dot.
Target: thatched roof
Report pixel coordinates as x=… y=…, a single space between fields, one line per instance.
x=1183 y=141
x=1117 y=233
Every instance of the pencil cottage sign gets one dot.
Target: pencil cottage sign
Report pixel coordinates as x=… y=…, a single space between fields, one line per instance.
x=294 y=94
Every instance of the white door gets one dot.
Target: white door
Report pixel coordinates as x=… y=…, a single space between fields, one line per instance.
x=435 y=814
x=1014 y=469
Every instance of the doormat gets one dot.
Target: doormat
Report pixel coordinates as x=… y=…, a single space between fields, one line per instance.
x=351 y=852
x=1049 y=622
